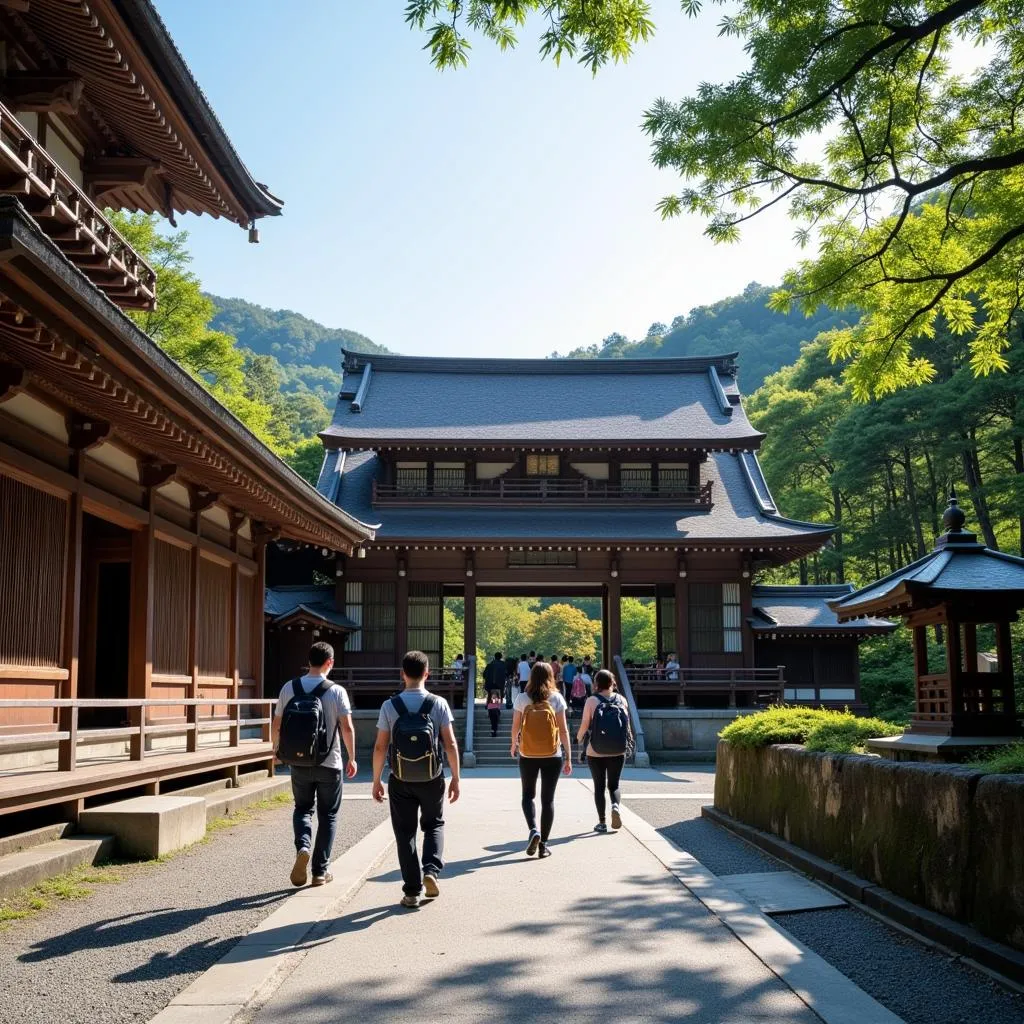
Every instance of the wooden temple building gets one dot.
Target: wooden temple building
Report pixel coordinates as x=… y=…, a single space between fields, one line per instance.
x=560 y=477
x=135 y=511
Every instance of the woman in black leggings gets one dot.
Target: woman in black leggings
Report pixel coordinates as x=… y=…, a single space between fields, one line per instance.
x=540 y=735
x=605 y=768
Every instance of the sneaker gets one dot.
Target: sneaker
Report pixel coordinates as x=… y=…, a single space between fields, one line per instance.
x=543 y=852
x=323 y=879
x=410 y=901
x=616 y=817
x=531 y=846
x=430 y=887
x=600 y=827
x=298 y=875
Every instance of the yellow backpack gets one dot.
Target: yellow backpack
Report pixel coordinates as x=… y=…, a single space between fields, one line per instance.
x=538 y=736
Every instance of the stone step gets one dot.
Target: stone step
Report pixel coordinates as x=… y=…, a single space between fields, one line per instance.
x=36 y=864
x=35 y=837
x=233 y=800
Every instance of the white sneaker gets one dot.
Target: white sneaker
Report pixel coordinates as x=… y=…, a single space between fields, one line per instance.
x=430 y=887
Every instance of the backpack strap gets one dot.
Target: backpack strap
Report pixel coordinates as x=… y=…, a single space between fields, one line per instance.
x=399 y=705
x=297 y=690
x=428 y=705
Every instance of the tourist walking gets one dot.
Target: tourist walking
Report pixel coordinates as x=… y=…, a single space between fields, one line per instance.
x=606 y=736
x=511 y=674
x=522 y=674
x=540 y=736
x=578 y=693
x=494 y=674
x=311 y=714
x=556 y=671
x=672 y=668
x=412 y=728
x=568 y=674
x=494 y=711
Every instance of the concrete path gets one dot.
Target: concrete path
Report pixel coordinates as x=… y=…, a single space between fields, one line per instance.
x=602 y=930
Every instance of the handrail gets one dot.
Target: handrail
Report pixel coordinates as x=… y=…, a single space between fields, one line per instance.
x=641 y=759
x=689 y=674
x=67 y=733
x=468 y=756
x=541 y=490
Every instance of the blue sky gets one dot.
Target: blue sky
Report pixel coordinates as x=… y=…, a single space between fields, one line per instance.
x=504 y=209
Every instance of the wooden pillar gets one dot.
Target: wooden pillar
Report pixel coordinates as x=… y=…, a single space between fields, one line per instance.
x=613 y=595
x=140 y=658
x=920 y=669
x=469 y=619
x=401 y=618
x=235 y=732
x=259 y=554
x=1004 y=652
x=682 y=624
x=746 y=611
x=67 y=718
x=954 y=661
x=192 y=712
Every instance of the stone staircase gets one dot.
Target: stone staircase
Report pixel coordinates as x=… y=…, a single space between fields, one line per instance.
x=492 y=752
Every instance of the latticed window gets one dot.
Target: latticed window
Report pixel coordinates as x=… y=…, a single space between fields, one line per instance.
x=715 y=618
x=542 y=465
x=521 y=558
x=673 y=478
x=449 y=477
x=411 y=477
x=667 y=643
x=426 y=620
x=372 y=607
x=635 y=477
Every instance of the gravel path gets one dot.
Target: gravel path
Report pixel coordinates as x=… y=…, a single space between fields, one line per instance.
x=918 y=983
x=122 y=954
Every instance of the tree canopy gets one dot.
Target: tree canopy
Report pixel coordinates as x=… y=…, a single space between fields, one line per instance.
x=903 y=170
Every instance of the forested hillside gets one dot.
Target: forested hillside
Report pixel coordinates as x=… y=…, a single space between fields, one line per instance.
x=766 y=340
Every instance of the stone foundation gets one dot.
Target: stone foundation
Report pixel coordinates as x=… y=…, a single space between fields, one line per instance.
x=673 y=735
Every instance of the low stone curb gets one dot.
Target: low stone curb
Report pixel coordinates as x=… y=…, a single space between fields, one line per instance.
x=229 y=801
x=825 y=990
x=253 y=969
x=38 y=863
x=957 y=937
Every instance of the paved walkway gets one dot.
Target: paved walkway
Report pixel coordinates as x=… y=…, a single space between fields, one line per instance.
x=605 y=929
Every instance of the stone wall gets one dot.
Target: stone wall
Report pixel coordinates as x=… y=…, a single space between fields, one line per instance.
x=942 y=836
x=673 y=735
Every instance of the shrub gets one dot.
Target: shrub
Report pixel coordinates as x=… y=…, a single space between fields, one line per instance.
x=1002 y=761
x=837 y=732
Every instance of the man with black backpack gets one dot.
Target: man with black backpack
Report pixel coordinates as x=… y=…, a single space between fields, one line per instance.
x=311 y=713
x=412 y=729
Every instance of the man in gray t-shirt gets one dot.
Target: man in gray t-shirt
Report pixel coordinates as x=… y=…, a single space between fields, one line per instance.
x=417 y=802
x=318 y=785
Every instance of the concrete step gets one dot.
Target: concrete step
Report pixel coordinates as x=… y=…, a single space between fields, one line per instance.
x=34 y=837
x=233 y=800
x=34 y=865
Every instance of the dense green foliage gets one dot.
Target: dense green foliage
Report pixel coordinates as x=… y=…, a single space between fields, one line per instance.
x=904 y=172
x=836 y=732
x=1004 y=761
x=765 y=339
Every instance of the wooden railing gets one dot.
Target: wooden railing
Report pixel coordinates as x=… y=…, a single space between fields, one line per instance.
x=76 y=225
x=68 y=735
x=723 y=681
x=640 y=756
x=540 y=491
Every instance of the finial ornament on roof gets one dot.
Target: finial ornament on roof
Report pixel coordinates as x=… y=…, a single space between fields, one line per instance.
x=954 y=517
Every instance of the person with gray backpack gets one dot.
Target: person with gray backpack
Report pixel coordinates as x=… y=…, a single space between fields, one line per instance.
x=311 y=713
x=606 y=720
x=412 y=729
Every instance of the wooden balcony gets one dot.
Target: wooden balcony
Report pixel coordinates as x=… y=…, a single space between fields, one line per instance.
x=541 y=491
x=69 y=217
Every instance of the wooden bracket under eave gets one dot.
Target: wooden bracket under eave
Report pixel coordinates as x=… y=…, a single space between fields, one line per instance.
x=155 y=474
x=201 y=498
x=85 y=433
x=262 y=533
x=42 y=92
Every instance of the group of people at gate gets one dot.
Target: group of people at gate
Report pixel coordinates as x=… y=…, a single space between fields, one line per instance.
x=415 y=732
x=505 y=679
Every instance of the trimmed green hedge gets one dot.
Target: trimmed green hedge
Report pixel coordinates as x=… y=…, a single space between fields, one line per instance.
x=833 y=732
x=1003 y=761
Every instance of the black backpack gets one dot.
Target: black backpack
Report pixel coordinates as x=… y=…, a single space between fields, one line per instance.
x=415 y=753
x=304 y=739
x=609 y=728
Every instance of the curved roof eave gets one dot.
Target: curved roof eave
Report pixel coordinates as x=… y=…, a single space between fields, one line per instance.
x=147 y=25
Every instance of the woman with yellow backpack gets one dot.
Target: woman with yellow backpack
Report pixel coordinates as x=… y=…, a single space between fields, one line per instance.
x=540 y=735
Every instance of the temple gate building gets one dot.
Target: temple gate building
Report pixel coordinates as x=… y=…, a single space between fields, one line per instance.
x=599 y=478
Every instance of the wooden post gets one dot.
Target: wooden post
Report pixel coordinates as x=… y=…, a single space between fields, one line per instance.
x=192 y=711
x=140 y=659
x=613 y=594
x=401 y=617
x=682 y=624
x=235 y=731
x=1004 y=652
x=259 y=555
x=746 y=611
x=469 y=618
x=954 y=670
x=67 y=718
